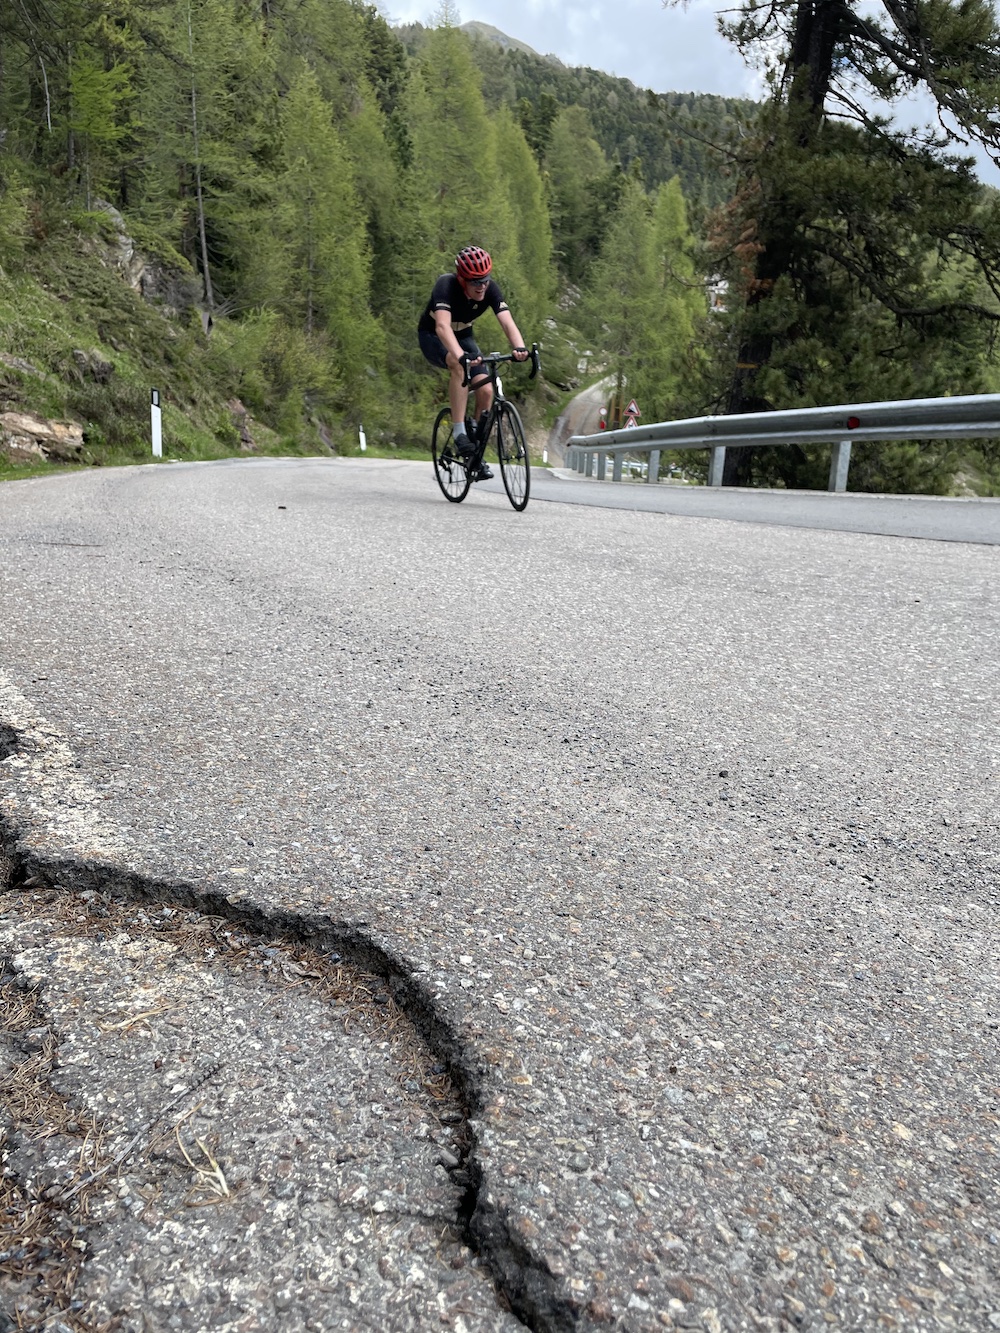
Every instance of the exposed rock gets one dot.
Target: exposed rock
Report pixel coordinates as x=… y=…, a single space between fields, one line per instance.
x=20 y=449
x=92 y=365
x=25 y=438
x=323 y=431
x=242 y=420
x=174 y=291
x=129 y=262
x=19 y=363
x=154 y=281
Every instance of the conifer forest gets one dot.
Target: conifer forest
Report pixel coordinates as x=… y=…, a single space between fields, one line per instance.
x=245 y=203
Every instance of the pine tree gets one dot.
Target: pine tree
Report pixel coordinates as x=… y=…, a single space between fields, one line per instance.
x=852 y=243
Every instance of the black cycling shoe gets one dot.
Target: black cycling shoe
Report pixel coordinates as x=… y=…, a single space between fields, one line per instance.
x=484 y=474
x=463 y=446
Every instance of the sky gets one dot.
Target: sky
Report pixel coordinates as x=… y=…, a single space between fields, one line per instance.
x=672 y=49
x=668 y=50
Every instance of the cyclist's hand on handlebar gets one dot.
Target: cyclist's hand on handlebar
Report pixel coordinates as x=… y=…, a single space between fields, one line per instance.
x=521 y=353
x=467 y=362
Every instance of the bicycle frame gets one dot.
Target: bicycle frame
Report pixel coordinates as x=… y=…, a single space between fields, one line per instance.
x=491 y=362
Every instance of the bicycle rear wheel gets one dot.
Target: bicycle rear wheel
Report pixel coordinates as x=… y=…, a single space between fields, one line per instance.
x=513 y=454
x=451 y=475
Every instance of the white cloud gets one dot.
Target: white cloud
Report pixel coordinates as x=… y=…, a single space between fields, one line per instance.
x=669 y=50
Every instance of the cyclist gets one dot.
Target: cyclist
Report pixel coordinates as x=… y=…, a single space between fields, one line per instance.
x=445 y=333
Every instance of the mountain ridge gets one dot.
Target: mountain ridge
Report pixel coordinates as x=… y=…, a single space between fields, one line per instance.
x=488 y=33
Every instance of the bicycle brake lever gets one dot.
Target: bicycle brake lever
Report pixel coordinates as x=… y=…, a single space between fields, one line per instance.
x=536 y=363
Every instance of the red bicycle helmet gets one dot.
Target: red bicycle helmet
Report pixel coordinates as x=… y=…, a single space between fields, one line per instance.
x=472 y=263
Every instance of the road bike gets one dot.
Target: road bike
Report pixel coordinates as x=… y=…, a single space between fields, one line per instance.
x=501 y=428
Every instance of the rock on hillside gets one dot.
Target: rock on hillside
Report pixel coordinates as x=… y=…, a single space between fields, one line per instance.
x=25 y=438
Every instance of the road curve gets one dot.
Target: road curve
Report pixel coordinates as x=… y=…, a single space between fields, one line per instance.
x=582 y=416
x=928 y=518
x=679 y=833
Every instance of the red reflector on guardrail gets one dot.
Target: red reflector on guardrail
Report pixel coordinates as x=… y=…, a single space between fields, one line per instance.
x=853 y=423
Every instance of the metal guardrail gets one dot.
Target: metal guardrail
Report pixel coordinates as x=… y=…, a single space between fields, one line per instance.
x=976 y=416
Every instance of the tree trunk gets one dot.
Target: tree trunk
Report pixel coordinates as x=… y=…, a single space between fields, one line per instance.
x=206 y=272
x=808 y=74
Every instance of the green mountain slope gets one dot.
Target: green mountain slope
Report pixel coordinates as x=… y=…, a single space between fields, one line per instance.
x=668 y=134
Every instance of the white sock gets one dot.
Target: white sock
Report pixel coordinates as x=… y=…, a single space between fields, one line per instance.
x=457 y=429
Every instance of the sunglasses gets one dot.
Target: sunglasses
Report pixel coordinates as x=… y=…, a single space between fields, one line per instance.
x=477 y=282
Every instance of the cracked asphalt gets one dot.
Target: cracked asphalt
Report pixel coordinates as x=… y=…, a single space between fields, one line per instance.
x=683 y=831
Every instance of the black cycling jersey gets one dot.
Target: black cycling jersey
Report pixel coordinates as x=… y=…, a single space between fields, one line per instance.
x=448 y=295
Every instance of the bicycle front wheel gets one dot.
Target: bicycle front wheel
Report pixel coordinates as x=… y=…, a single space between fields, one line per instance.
x=513 y=454
x=451 y=475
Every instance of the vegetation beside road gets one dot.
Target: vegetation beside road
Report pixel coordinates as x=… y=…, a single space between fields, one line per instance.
x=261 y=258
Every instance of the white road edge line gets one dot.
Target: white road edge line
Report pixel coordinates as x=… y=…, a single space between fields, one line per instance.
x=41 y=792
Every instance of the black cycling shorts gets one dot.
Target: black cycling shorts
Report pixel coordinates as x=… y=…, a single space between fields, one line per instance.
x=434 y=349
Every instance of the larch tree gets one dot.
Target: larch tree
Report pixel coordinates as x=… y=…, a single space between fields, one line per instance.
x=643 y=302
x=683 y=304
x=583 y=189
x=205 y=91
x=454 y=148
x=527 y=271
x=321 y=220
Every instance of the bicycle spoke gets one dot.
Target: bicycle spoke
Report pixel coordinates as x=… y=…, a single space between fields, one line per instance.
x=451 y=474
x=512 y=451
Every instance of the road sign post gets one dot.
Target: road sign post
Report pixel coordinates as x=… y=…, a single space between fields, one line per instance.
x=155 y=422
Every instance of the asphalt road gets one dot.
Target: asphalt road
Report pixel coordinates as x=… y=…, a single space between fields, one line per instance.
x=680 y=834
x=581 y=417
x=926 y=518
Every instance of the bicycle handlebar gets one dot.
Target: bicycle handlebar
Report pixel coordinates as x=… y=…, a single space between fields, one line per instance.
x=494 y=359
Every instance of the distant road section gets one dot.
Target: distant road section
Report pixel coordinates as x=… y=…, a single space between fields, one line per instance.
x=929 y=518
x=581 y=417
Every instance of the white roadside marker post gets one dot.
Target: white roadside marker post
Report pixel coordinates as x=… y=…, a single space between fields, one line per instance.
x=155 y=422
x=361 y=438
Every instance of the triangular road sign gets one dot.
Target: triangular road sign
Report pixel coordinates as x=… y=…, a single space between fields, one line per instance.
x=633 y=409
x=629 y=424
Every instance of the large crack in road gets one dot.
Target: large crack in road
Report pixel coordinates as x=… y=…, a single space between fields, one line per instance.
x=216 y=1119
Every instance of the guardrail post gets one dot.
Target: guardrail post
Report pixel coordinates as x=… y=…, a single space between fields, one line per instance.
x=653 y=471
x=617 y=474
x=589 y=469
x=840 y=461
x=579 y=464
x=716 y=465
x=602 y=466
